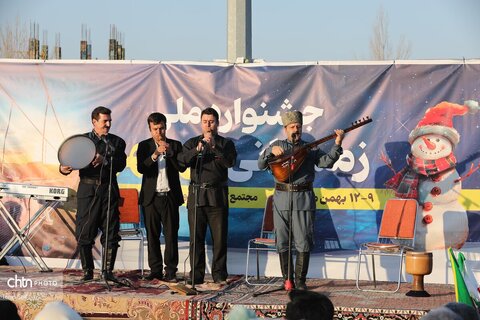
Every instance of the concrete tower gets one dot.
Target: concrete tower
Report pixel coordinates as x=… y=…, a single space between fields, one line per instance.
x=239 y=31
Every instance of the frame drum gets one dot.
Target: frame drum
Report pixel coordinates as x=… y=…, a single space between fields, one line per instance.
x=77 y=151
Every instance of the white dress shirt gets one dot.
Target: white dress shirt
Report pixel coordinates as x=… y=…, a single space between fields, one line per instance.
x=162 y=179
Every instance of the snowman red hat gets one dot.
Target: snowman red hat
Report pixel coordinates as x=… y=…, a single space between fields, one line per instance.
x=439 y=120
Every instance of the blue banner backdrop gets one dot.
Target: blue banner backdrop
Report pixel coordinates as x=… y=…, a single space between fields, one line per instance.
x=41 y=104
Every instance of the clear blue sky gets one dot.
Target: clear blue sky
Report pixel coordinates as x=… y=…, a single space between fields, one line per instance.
x=282 y=30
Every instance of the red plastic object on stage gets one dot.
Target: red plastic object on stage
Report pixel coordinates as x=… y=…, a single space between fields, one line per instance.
x=288 y=285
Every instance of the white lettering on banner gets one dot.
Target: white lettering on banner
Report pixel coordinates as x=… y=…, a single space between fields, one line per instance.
x=242 y=176
x=192 y=117
x=228 y=126
x=362 y=175
x=249 y=118
x=310 y=113
x=250 y=121
x=346 y=163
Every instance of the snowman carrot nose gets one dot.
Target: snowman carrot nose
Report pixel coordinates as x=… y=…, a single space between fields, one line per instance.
x=430 y=145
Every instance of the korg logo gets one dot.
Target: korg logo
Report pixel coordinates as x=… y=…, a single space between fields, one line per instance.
x=57 y=191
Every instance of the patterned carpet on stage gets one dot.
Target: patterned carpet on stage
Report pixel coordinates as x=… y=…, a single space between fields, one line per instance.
x=137 y=299
x=155 y=299
x=350 y=304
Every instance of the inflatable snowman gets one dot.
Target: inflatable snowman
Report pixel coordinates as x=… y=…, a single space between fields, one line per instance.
x=431 y=178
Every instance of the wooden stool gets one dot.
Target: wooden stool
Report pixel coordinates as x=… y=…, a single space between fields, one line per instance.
x=418 y=264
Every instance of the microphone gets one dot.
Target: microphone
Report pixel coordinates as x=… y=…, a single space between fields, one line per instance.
x=208 y=135
x=110 y=147
x=203 y=148
x=295 y=136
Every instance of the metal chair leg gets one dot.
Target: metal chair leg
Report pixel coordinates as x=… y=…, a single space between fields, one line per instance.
x=258 y=268
x=248 y=259
x=359 y=262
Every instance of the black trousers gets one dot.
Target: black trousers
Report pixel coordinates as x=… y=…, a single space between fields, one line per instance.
x=92 y=204
x=162 y=212
x=216 y=218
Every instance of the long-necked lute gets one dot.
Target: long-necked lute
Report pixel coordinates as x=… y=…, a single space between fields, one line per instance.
x=289 y=162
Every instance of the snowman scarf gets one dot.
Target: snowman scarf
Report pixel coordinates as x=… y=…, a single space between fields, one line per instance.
x=405 y=182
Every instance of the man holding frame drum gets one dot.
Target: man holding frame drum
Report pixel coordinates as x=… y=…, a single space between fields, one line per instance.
x=97 y=190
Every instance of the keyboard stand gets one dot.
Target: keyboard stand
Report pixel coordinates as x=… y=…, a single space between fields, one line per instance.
x=20 y=235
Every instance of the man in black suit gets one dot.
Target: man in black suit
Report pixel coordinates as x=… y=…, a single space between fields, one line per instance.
x=160 y=196
x=209 y=156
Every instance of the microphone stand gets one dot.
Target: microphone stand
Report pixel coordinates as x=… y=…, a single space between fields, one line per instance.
x=288 y=283
x=196 y=187
x=109 y=152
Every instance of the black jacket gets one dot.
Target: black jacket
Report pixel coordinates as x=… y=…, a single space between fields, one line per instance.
x=149 y=169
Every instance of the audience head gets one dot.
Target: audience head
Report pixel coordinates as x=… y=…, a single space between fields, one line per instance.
x=241 y=313
x=57 y=310
x=441 y=313
x=309 y=305
x=464 y=310
x=8 y=310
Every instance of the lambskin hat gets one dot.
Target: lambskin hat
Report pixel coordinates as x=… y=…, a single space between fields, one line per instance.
x=292 y=117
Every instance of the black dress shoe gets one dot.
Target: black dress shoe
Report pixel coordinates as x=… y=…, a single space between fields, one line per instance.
x=154 y=275
x=109 y=276
x=87 y=275
x=220 y=282
x=300 y=285
x=170 y=278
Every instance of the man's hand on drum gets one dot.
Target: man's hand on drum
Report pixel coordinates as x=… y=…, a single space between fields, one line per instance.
x=66 y=169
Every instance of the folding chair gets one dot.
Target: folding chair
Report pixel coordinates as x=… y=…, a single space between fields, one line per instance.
x=130 y=220
x=265 y=242
x=396 y=235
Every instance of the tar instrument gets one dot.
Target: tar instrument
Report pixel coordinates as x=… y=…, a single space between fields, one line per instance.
x=289 y=162
x=77 y=151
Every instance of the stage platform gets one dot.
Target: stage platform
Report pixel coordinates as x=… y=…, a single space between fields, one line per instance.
x=156 y=300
